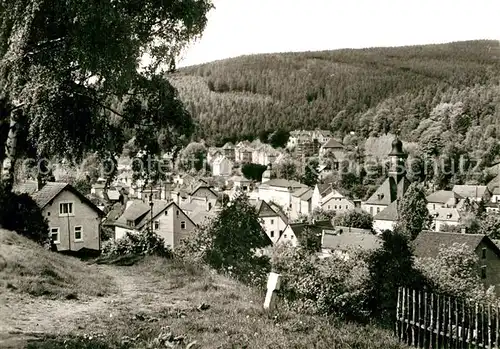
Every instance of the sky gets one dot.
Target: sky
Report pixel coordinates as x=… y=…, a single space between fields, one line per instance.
x=239 y=27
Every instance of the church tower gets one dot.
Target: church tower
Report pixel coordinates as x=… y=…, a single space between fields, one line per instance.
x=397 y=156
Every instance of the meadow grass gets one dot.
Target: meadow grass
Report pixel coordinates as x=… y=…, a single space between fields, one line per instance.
x=26 y=267
x=232 y=317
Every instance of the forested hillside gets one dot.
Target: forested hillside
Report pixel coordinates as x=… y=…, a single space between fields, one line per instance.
x=449 y=90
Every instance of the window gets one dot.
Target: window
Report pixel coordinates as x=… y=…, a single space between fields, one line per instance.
x=177 y=212
x=130 y=223
x=54 y=235
x=335 y=206
x=433 y=206
x=346 y=207
x=209 y=206
x=484 y=253
x=78 y=233
x=271 y=233
x=378 y=209
x=285 y=236
x=328 y=207
x=371 y=210
x=48 y=213
x=157 y=225
x=272 y=221
x=291 y=237
x=166 y=212
x=66 y=209
x=183 y=225
x=483 y=272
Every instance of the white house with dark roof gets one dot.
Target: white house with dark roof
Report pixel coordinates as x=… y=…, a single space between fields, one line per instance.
x=280 y=191
x=394 y=187
x=222 y=166
x=333 y=146
x=386 y=219
x=441 y=216
x=336 y=202
x=273 y=222
x=443 y=198
x=301 y=202
x=167 y=220
x=294 y=232
x=74 y=221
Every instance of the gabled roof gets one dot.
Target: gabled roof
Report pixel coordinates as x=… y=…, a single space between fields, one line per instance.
x=443 y=196
x=52 y=189
x=390 y=213
x=318 y=227
x=447 y=214
x=332 y=143
x=429 y=243
x=279 y=211
x=470 y=191
x=351 y=240
x=283 y=183
x=203 y=186
x=388 y=191
x=218 y=160
x=158 y=207
x=264 y=209
x=324 y=188
x=304 y=194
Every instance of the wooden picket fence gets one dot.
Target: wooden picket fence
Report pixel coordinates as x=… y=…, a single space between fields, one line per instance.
x=427 y=320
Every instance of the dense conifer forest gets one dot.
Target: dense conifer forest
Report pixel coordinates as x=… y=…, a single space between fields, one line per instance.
x=434 y=94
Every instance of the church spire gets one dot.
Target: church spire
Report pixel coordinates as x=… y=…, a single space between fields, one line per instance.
x=397 y=156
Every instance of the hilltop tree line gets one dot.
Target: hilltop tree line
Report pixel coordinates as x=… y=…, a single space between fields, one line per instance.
x=444 y=97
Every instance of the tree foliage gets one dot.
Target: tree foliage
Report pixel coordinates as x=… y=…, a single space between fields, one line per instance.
x=21 y=214
x=390 y=267
x=455 y=272
x=413 y=215
x=311 y=173
x=355 y=219
x=232 y=241
x=70 y=78
x=253 y=171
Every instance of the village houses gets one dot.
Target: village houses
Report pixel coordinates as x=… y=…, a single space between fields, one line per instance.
x=165 y=218
x=222 y=166
x=74 y=221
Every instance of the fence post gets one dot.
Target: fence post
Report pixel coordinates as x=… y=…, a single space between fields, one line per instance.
x=398 y=332
x=450 y=323
x=426 y=327
x=438 y=322
x=489 y=326
x=273 y=284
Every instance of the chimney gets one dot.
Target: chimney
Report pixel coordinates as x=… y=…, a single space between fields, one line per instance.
x=39 y=183
x=178 y=198
x=463 y=230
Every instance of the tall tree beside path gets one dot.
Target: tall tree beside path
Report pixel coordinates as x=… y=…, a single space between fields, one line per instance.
x=71 y=80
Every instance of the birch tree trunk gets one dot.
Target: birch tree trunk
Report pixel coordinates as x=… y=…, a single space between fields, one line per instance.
x=9 y=162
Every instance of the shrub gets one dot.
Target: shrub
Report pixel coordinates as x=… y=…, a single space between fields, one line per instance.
x=144 y=243
x=333 y=285
x=455 y=273
x=21 y=214
x=355 y=219
x=231 y=243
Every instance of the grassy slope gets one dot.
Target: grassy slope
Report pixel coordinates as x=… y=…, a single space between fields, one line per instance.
x=235 y=318
x=28 y=268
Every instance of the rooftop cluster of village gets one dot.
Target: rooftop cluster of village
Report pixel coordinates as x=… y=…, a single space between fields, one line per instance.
x=174 y=208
